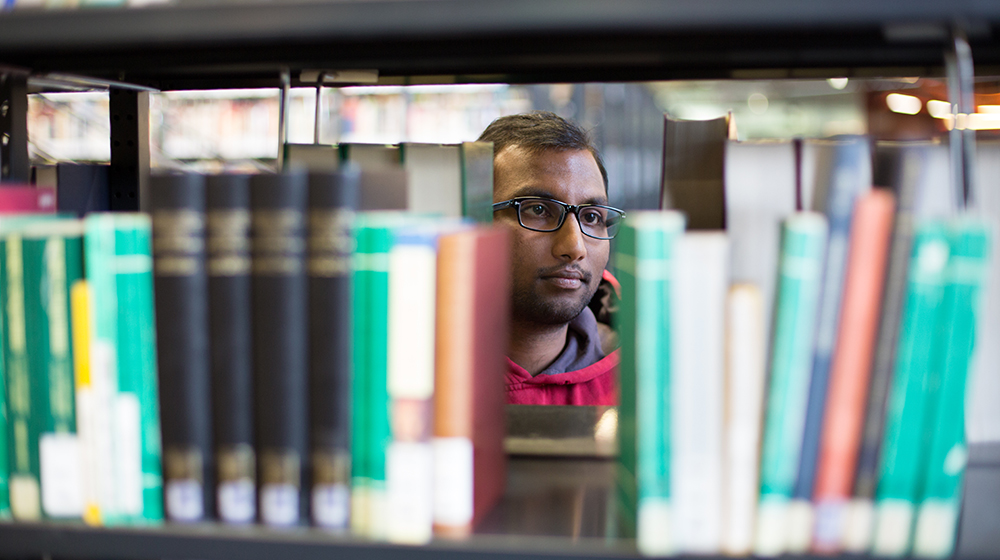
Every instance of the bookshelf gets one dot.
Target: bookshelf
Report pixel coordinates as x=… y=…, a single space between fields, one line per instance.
x=205 y=45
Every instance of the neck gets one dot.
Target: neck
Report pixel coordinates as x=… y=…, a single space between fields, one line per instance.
x=534 y=346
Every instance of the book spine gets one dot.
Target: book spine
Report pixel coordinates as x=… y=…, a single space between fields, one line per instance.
x=802 y=249
x=25 y=493
x=119 y=265
x=859 y=520
x=230 y=333
x=371 y=431
x=844 y=184
x=477 y=181
x=280 y=343
x=645 y=264
x=941 y=492
x=410 y=377
x=51 y=263
x=746 y=363
x=333 y=198
x=5 y=423
x=87 y=412
x=178 y=210
x=697 y=301
x=851 y=365
x=902 y=450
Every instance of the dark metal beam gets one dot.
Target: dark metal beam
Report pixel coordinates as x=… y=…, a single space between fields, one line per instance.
x=14 y=165
x=129 y=173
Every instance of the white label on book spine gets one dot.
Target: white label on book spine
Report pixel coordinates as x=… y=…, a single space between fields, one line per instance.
x=331 y=505
x=453 y=484
x=184 y=500
x=409 y=484
x=279 y=504
x=237 y=501
x=62 y=488
x=128 y=454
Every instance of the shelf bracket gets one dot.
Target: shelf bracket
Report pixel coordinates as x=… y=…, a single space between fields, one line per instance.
x=128 y=176
x=14 y=165
x=962 y=139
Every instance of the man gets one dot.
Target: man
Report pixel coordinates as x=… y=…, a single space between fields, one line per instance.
x=550 y=192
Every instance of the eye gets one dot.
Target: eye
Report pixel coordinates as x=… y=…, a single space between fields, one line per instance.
x=536 y=209
x=592 y=216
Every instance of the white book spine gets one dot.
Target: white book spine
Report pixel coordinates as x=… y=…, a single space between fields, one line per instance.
x=409 y=507
x=746 y=363
x=697 y=390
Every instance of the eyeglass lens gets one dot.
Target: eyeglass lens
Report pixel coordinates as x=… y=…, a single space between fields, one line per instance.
x=546 y=215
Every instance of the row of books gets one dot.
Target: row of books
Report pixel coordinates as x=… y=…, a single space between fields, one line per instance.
x=311 y=367
x=834 y=423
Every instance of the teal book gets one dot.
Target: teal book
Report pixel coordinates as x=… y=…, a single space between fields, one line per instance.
x=52 y=260
x=370 y=426
x=918 y=357
x=644 y=260
x=941 y=492
x=119 y=267
x=803 y=245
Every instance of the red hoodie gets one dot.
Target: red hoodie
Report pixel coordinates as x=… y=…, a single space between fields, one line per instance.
x=596 y=384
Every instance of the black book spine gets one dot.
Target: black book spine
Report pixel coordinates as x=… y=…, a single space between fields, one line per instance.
x=228 y=246
x=900 y=168
x=280 y=343
x=333 y=198
x=178 y=208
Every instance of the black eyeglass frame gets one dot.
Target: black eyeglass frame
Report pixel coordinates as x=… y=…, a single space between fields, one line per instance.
x=567 y=208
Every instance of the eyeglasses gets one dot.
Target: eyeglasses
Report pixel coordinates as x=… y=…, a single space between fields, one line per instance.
x=545 y=214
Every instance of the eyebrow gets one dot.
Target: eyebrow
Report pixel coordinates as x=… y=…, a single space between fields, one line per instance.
x=542 y=193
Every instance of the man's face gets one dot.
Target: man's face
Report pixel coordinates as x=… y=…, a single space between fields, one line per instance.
x=555 y=274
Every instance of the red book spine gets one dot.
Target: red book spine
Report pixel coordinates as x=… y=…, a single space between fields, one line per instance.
x=26 y=198
x=851 y=367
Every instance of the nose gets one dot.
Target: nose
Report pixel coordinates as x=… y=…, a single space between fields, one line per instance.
x=569 y=244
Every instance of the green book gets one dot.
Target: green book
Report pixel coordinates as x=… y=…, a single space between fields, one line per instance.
x=941 y=495
x=477 y=181
x=370 y=428
x=123 y=348
x=52 y=259
x=20 y=492
x=918 y=358
x=803 y=247
x=644 y=263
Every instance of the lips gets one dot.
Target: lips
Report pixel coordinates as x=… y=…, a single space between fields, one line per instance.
x=567 y=278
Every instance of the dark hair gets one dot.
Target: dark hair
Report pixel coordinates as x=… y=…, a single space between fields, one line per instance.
x=538 y=131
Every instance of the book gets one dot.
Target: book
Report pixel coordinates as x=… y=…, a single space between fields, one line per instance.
x=644 y=264
x=18 y=198
x=940 y=492
x=280 y=343
x=119 y=270
x=697 y=380
x=796 y=307
x=746 y=364
x=333 y=198
x=93 y=437
x=907 y=170
x=434 y=178
x=902 y=452
x=314 y=157
x=471 y=332
x=82 y=188
x=370 y=416
x=760 y=186
x=843 y=173
x=409 y=459
x=182 y=335
x=228 y=265
x=693 y=179
x=477 y=181
x=851 y=366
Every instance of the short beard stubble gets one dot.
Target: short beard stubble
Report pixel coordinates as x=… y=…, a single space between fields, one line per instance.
x=530 y=306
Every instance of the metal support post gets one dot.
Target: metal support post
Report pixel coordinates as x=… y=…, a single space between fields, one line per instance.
x=962 y=139
x=129 y=173
x=14 y=166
